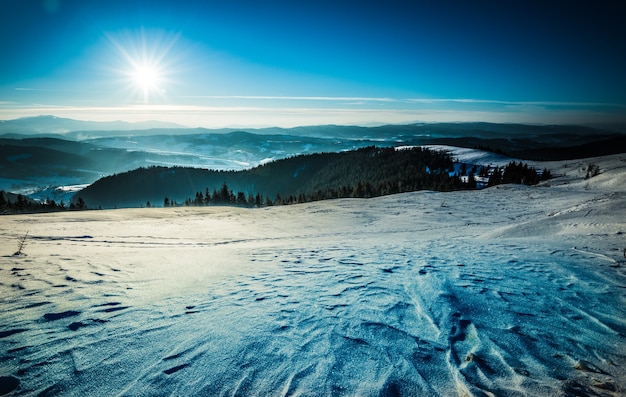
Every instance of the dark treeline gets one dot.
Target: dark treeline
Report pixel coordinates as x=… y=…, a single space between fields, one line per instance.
x=516 y=173
x=362 y=173
x=519 y=173
x=365 y=172
x=373 y=172
x=21 y=204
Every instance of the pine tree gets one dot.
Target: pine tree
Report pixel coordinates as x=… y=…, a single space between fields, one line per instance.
x=241 y=198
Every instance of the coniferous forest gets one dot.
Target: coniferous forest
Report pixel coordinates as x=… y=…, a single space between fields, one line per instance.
x=18 y=203
x=362 y=173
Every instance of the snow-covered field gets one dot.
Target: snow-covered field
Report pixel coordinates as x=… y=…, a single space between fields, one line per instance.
x=505 y=291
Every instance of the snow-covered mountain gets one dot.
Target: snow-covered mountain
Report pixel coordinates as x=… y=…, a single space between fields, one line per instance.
x=52 y=125
x=44 y=167
x=508 y=291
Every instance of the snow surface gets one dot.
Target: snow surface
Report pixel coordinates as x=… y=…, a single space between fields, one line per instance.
x=474 y=156
x=506 y=291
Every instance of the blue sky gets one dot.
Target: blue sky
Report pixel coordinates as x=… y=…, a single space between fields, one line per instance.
x=286 y=63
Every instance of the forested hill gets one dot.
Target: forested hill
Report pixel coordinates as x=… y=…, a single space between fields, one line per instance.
x=367 y=171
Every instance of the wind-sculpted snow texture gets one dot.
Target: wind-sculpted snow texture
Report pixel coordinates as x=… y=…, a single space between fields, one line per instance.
x=507 y=291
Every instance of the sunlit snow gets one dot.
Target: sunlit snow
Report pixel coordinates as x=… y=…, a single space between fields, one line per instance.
x=511 y=290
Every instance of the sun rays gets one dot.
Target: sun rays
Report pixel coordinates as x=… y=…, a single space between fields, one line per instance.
x=146 y=80
x=147 y=61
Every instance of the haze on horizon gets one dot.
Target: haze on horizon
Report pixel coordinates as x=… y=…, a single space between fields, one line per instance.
x=283 y=63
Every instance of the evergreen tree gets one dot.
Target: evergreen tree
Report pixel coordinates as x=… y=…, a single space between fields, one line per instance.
x=241 y=198
x=224 y=194
x=80 y=204
x=471 y=182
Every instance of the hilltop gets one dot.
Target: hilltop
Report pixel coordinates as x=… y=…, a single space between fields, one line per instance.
x=509 y=290
x=366 y=172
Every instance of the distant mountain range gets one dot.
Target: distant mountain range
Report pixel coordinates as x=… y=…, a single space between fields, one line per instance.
x=40 y=154
x=47 y=126
x=52 y=125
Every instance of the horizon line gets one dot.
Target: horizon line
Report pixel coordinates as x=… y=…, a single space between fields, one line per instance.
x=372 y=124
x=255 y=115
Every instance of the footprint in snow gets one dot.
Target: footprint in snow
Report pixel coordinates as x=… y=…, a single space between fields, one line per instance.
x=175 y=369
x=58 y=316
x=8 y=384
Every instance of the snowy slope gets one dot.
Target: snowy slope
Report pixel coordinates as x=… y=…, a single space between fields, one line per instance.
x=511 y=290
x=473 y=156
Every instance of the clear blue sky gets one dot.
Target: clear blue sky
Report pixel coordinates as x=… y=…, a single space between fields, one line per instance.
x=261 y=63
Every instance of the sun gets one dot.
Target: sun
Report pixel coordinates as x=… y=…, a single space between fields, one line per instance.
x=146 y=78
x=145 y=63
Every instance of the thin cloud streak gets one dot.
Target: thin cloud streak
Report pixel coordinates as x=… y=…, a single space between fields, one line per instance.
x=390 y=101
x=514 y=103
x=295 y=98
x=410 y=100
x=47 y=89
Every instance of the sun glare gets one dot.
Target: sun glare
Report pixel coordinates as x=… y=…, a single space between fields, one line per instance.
x=148 y=62
x=146 y=78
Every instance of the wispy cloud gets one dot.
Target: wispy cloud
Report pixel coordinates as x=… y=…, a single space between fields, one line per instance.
x=294 y=98
x=46 y=89
x=358 y=101
x=514 y=103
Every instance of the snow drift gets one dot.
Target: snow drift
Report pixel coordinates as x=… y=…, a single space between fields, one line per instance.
x=511 y=290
